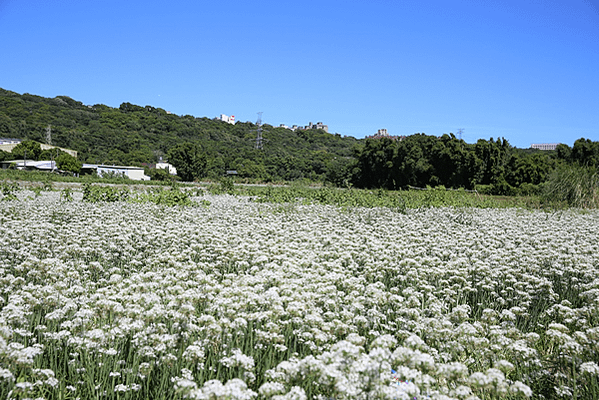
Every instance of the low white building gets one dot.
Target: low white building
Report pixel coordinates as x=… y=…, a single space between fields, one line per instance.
x=30 y=164
x=9 y=141
x=41 y=165
x=133 y=173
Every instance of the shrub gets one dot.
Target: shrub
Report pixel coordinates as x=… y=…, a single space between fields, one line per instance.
x=67 y=194
x=8 y=189
x=96 y=194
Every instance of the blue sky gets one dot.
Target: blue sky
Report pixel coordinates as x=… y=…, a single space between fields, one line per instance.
x=526 y=70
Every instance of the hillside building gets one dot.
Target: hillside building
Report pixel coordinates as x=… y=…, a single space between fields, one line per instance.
x=226 y=118
x=544 y=146
x=318 y=125
x=383 y=133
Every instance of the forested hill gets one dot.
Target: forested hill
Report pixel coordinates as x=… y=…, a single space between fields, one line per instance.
x=203 y=147
x=131 y=135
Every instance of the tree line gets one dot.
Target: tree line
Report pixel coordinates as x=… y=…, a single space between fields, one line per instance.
x=491 y=166
x=208 y=148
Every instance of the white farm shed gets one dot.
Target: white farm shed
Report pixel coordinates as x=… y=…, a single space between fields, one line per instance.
x=133 y=173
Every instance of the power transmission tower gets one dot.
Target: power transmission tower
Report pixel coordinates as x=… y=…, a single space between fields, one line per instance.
x=259 y=139
x=460 y=131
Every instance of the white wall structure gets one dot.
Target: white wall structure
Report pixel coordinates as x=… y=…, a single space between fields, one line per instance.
x=133 y=173
x=544 y=146
x=169 y=167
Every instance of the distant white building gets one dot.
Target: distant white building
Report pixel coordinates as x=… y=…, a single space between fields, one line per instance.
x=383 y=133
x=318 y=125
x=9 y=141
x=169 y=167
x=544 y=146
x=226 y=118
x=133 y=173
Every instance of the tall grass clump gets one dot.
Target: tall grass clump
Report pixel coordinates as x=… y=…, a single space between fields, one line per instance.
x=574 y=185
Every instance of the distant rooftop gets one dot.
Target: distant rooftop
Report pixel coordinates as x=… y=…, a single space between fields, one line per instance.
x=10 y=141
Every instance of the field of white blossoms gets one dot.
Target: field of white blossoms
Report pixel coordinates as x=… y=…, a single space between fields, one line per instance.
x=235 y=299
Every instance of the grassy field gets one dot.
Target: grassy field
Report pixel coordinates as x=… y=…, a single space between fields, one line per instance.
x=294 y=293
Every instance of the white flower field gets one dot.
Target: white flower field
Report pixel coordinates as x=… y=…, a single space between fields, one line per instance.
x=245 y=300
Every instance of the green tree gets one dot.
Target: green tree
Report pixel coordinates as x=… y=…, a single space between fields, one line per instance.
x=586 y=152
x=189 y=160
x=494 y=156
x=339 y=171
x=27 y=148
x=5 y=155
x=533 y=169
x=564 y=152
x=158 y=174
x=216 y=167
x=375 y=163
x=412 y=162
x=250 y=169
x=66 y=162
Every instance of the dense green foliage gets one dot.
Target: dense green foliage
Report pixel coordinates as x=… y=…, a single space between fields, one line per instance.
x=66 y=162
x=112 y=194
x=190 y=161
x=27 y=149
x=8 y=189
x=133 y=135
x=421 y=160
x=204 y=148
x=491 y=167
